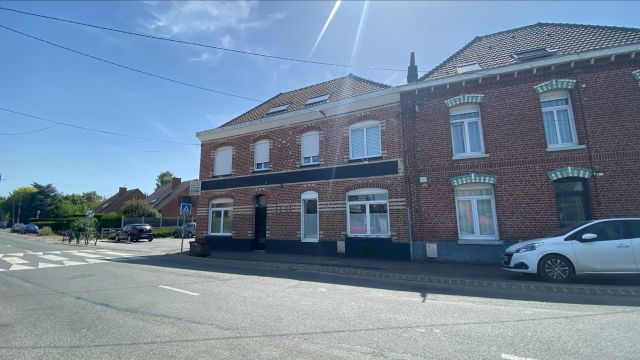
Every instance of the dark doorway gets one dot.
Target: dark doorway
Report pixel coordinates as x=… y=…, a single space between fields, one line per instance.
x=572 y=199
x=260 y=238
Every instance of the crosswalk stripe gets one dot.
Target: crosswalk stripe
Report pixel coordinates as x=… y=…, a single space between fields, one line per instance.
x=95 y=261
x=15 y=260
x=19 y=267
x=53 y=257
x=70 y=263
x=89 y=255
x=54 y=252
x=34 y=252
x=42 y=265
x=15 y=254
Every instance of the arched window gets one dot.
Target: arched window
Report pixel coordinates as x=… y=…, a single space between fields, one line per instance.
x=466 y=130
x=364 y=140
x=261 y=155
x=221 y=217
x=572 y=200
x=476 y=211
x=222 y=160
x=310 y=148
x=310 y=220
x=367 y=212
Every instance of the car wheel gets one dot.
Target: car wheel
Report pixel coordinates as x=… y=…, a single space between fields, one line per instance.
x=150 y=239
x=556 y=268
x=189 y=234
x=117 y=238
x=129 y=238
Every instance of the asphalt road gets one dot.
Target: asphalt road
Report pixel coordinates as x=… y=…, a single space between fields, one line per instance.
x=132 y=302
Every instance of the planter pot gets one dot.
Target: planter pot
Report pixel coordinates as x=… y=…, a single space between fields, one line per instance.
x=197 y=248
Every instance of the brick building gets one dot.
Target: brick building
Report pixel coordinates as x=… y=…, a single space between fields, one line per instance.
x=115 y=203
x=514 y=135
x=167 y=198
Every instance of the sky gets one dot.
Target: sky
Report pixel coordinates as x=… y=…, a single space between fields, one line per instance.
x=48 y=82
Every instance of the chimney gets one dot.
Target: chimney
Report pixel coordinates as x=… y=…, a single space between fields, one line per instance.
x=175 y=181
x=412 y=71
x=122 y=190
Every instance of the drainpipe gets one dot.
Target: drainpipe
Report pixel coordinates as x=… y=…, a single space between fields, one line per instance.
x=410 y=234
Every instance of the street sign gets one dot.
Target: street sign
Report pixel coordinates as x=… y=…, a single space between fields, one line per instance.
x=185 y=209
x=195 y=187
x=90 y=213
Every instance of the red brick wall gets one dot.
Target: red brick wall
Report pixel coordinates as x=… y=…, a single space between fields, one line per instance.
x=606 y=106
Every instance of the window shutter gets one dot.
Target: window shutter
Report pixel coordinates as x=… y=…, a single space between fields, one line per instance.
x=310 y=144
x=222 y=161
x=261 y=152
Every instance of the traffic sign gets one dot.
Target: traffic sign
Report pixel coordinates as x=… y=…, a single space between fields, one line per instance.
x=185 y=208
x=195 y=187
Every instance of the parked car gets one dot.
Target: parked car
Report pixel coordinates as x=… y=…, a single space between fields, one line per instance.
x=31 y=229
x=2 y=225
x=607 y=246
x=135 y=232
x=18 y=228
x=189 y=230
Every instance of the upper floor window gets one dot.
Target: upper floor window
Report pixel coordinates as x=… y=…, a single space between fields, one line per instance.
x=364 y=140
x=261 y=155
x=222 y=159
x=476 y=210
x=466 y=130
x=557 y=114
x=310 y=143
x=367 y=212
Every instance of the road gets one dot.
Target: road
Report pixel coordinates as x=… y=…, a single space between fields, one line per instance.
x=132 y=302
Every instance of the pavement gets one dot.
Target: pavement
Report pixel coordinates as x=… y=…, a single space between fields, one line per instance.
x=145 y=301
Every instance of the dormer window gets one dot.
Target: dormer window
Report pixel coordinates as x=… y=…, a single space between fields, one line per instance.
x=532 y=54
x=465 y=68
x=277 y=109
x=317 y=99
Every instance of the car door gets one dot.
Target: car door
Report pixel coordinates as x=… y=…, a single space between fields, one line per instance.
x=610 y=251
x=634 y=234
x=124 y=232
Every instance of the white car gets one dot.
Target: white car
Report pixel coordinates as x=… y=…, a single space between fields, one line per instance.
x=608 y=246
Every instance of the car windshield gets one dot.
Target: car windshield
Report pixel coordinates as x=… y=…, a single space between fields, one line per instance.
x=567 y=229
x=142 y=227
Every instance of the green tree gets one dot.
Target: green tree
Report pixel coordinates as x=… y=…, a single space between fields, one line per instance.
x=72 y=204
x=45 y=200
x=164 y=178
x=20 y=203
x=139 y=208
x=92 y=199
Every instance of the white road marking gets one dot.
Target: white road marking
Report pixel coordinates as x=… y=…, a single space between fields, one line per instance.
x=34 y=252
x=53 y=257
x=3 y=269
x=1 y=255
x=42 y=265
x=20 y=267
x=178 y=290
x=54 y=252
x=15 y=260
x=70 y=263
x=15 y=254
x=88 y=255
x=115 y=253
x=95 y=261
x=514 y=357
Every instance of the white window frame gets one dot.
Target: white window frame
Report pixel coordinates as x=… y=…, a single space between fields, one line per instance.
x=474 y=211
x=367 y=191
x=223 y=210
x=365 y=125
x=465 y=109
x=309 y=195
x=312 y=161
x=558 y=95
x=215 y=158
x=262 y=166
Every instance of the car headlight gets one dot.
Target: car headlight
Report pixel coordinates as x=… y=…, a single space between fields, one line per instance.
x=527 y=248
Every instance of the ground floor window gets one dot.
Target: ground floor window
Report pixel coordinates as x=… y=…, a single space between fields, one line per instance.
x=367 y=212
x=220 y=217
x=310 y=221
x=476 y=212
x=572 y=200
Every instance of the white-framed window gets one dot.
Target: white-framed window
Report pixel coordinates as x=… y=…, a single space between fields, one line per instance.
x=220 y=217
x=310 y=218
x=261 y=155
x=222 y=160
x=466 y=130
x=557 y=114
x=364 y=140
x=310 y=144
x=368 y=212
x=476 y=212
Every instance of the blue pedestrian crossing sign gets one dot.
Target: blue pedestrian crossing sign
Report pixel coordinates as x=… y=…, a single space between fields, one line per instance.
x=185 y=208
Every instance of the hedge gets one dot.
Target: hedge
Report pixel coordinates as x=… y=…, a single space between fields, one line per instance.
x=164 y=232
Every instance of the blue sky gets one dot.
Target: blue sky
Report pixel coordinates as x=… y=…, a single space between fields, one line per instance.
x=41 y=80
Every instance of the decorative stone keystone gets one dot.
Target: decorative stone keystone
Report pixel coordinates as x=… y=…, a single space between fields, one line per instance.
x=570 y=171
x=473 y=178
x=464 y=99
x=555 y=84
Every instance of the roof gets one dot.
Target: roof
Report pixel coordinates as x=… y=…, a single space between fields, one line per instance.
x=165 y=194
x=338 y=89
x=498 y=49
x=117 y=201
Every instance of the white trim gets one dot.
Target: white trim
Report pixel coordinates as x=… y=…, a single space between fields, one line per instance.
x=221 y=201
x=474 y=212
x=568 y=147
x=559 y=95
x=262 y=167
x=367 y=191
x=223 y=211
x=365 y=125
x=216 y=161
x=469 y=156
x=467 y=109
x=309 y=195
x=316 y=135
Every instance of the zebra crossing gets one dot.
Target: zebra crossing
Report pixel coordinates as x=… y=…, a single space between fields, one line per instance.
x=32 y=260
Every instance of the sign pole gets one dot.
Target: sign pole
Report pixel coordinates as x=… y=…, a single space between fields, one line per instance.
x=182 y=231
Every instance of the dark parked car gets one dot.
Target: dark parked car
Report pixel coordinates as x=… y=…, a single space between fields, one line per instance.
x=31 y=229
x=135 y=232
x=2 y=225
x=18 y=228
x=189 y=230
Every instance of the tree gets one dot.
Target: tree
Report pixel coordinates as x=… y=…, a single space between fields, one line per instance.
x=20 y=203
x=72 y=204
x=92 y=199
x=139 y=208
x=164 y=178
x=44 y=200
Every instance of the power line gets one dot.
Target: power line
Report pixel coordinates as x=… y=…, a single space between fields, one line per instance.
x=184 y=42
x=96 y=130
x=29 y=132
x=127 y=67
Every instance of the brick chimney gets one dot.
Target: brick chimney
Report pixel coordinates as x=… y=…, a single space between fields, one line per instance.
x=412 y=70
x=175 y=181
x=122 y=190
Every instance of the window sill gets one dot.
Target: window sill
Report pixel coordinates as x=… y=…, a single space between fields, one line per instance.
x=480 y=242
x=309 y=165
x=310 y=240
x=366 y=159
x=470 y=156
x=261 y=171
x=568 y=147
x=369 y=236
x=218 y=234
x=221 y=176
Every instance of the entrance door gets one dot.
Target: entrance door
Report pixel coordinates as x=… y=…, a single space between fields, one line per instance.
x=260 y=238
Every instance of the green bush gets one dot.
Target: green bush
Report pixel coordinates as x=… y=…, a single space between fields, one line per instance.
x=46 y=231
x=54 y=224
x=139 y=208
x=109 y=220
x=84 y=224
x=164 y=232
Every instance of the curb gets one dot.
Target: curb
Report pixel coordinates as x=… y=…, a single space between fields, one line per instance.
x=437 y=280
